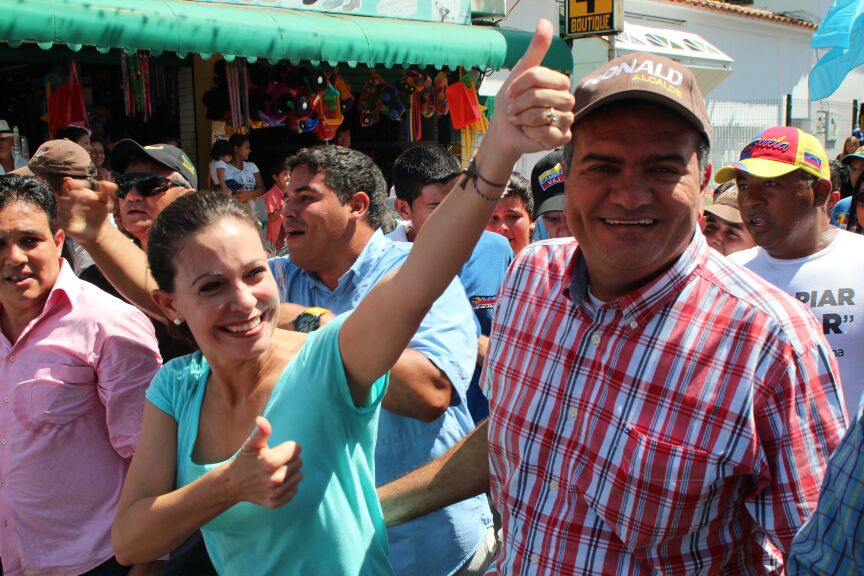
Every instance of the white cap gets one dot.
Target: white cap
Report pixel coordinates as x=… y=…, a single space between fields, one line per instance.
x=5 y=130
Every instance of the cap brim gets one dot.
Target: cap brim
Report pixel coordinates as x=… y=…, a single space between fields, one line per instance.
x=727 y=213
x=848 y=157
x=758 y=167
x=646 y=96
x=552 y=204
x=23 y=171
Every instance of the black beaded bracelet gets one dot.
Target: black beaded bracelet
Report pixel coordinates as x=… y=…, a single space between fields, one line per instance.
x=471 y=173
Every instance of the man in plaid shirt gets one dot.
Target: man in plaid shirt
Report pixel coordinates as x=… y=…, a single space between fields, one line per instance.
x=654 y=409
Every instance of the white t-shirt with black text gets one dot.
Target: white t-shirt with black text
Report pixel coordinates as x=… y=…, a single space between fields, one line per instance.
x=831 y=284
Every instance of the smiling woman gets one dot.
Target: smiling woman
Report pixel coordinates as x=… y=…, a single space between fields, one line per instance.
x=206 y=256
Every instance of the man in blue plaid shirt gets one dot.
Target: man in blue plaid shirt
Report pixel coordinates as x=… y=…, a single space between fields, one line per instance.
x=832 y=540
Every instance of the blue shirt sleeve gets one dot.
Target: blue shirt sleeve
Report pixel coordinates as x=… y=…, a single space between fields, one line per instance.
x=448 y=337
x=322 y=356
x=832 y=540
x=173 y=382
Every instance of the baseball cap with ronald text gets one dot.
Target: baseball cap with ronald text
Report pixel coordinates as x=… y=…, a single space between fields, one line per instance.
x=778 y=151
x=645 y=77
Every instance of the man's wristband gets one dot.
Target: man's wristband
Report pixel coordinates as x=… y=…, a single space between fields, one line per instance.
x=310 y=319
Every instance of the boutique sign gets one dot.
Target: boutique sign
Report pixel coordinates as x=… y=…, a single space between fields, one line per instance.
x=592 y=18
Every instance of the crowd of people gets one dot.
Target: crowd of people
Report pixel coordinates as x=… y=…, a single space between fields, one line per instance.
x=212 y=377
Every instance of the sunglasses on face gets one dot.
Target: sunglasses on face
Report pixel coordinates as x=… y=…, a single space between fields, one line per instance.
x=145 y=184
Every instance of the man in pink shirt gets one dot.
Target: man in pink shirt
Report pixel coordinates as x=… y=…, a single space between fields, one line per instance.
x=74 y=365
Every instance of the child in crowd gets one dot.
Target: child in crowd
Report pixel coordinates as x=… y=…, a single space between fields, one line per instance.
x=273 y=201
x=220 y=155
x=512 y=217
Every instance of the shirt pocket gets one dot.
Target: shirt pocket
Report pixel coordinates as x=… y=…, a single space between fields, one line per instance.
x=57 y=395
x=660 y=491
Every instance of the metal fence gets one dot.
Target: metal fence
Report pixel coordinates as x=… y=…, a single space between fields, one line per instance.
x=736 y=122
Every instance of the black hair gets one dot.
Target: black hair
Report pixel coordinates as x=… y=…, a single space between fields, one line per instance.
x=420 y=166
x=15 y=188
x=187 y=215
x=100 y=140
x=347 y=172
x=221 y=148
x=237 y=140
x=280 y=166
x=73 y=133
x=840 y=178
x=519 y=187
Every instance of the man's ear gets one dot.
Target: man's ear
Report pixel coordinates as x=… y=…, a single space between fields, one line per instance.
x=359 y=203
x=821 y=192
x=59 y=237
x=705 y=185
x=404 y=209
x=165 y=302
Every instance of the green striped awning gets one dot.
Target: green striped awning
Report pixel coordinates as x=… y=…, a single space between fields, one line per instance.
x=205 y=28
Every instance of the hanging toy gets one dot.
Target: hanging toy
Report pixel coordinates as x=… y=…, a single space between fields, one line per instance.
x=346 y=98
x=427 y=99
x=329 y=113
x=391 y=105
x=315 y=81
x=439 y=88
x=274 y=109
x=463 y=104
x=370 y=100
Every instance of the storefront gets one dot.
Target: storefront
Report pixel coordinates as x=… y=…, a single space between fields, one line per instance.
x=184 y=40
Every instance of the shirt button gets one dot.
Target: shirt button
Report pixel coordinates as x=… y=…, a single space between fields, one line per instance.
x=571 y=413
x=535 y=558
x=634 y=324
x=595 y=338
x=3 y=441
x=11 y=357
x=2 y=483
x=5 y=399
x=553 y=486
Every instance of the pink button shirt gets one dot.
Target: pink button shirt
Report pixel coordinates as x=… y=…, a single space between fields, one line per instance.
x=71 y=400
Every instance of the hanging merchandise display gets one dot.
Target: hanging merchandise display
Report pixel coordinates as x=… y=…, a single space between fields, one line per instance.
x=439 y=94
x=346 y=98
x=466 y=112
x=66 y=104
x=463 y=104
x=329 y=113
x=410 y=87
x=237 y=80
x=391 y=104
x=143 y=85
x=370 y=100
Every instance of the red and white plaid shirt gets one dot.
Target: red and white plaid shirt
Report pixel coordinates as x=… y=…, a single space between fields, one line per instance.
x=681 y=429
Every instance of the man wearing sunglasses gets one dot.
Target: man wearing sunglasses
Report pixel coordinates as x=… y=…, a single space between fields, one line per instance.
x=152 y=177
